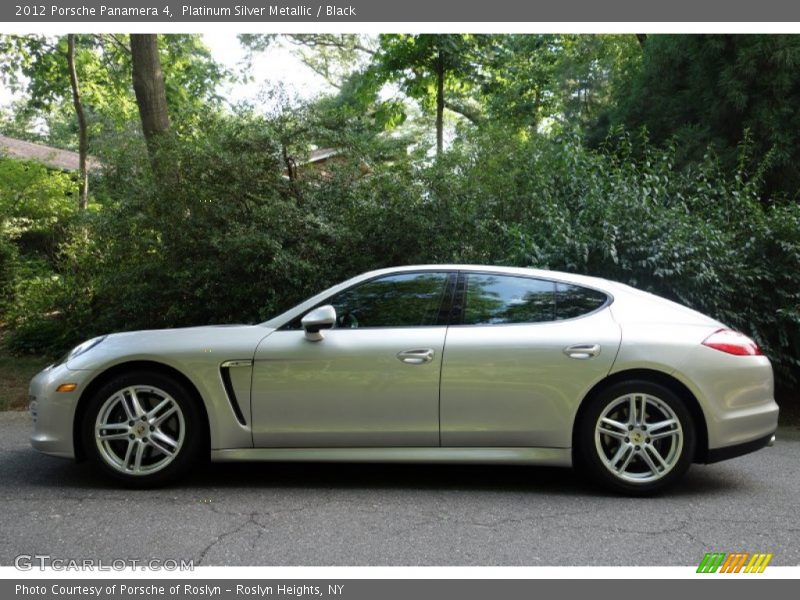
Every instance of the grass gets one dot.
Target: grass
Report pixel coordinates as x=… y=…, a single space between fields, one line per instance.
x=15 y=374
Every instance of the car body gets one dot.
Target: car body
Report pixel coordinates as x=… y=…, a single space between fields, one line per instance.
x=429 y=363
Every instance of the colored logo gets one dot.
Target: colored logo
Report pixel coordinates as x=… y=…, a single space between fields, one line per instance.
x=736 y=562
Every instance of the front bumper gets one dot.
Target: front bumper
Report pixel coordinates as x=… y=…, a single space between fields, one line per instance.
x=53 y=412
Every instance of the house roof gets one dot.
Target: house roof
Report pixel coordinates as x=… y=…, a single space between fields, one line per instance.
x=55 y=158
x=321 y=154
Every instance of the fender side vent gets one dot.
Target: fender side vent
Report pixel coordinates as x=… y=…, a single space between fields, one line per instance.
x=225 y=373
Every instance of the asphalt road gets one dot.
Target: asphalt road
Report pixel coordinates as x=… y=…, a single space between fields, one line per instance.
x=284 y=514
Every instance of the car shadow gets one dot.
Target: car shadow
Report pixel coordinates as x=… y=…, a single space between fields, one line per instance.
x=23 y=468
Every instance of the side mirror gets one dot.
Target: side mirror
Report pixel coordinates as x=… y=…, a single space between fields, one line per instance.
x=322 y=317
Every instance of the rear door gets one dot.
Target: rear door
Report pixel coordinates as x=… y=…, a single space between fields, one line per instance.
x=519 y=358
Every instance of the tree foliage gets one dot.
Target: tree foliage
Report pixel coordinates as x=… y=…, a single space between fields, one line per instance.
x=709 y=90
x=36 y=65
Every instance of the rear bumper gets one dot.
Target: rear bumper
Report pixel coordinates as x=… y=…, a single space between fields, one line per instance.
x=719 y=454
x=736 y=395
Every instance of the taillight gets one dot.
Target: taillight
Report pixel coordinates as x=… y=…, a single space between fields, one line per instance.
x=732 y=342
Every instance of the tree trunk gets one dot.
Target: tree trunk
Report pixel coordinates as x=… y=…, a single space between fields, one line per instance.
x=148 y=84
x=440 y=102
x=641 y=38
x=83 y=134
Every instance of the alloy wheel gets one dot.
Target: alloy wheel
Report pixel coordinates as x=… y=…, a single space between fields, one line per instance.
x=639 y=438
x=139 y=430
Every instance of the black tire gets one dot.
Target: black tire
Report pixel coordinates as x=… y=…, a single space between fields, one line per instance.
x=595 y=449
x=179 y=462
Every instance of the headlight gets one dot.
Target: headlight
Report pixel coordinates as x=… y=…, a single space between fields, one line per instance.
x=81 y=348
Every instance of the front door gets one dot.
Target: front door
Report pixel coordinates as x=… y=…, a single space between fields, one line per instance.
x=373 y=380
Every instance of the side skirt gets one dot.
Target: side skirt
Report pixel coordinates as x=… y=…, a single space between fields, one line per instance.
x=555 y=457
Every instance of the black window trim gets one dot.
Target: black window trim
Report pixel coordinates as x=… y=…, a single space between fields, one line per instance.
x=444 y=308
x=455 y=296
x=459 y=301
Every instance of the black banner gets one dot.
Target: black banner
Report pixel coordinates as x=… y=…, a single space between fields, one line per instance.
x=730 y=588
x=417 y=11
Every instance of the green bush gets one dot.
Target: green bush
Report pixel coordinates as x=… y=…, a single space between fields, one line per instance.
x=697 y=235
x=223 y=236
x=38 y=207
x=9 y=257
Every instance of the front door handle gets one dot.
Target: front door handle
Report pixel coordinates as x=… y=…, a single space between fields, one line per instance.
x=582 y=351
x=418 y=356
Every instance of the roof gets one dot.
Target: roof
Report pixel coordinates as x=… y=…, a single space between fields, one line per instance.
x=562 y=276
x=603 y=285
x=55 y=158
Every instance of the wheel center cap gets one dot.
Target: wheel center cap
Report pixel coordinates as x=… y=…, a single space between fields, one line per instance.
x=140 y=429
x=637 y=437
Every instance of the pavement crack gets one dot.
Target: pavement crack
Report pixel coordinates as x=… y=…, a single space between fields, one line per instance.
x=219 y=538
x=251 y=520
x=261 y=531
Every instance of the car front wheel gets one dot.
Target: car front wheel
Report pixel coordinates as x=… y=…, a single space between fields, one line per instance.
x=143 y=429
x=636 y=437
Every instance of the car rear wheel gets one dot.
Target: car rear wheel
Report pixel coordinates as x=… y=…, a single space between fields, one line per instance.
x=636 y=437
x=143 y=429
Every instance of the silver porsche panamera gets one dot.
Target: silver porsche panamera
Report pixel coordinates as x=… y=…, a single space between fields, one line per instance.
x=434 y=363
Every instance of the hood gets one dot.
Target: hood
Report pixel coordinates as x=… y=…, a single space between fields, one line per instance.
x=173 y=346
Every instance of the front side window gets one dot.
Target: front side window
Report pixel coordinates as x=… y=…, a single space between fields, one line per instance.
x=402 y=300
x=503 y=299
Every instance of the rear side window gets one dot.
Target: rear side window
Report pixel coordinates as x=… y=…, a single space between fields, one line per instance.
x=574 y=301
x=502 y=299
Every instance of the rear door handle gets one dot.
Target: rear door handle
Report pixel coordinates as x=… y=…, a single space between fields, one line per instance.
x=417 y=356
x=582 y=351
